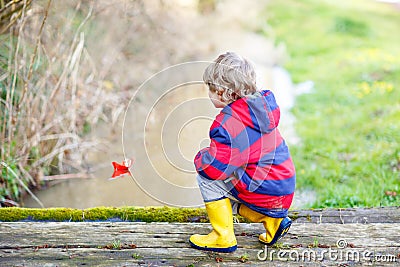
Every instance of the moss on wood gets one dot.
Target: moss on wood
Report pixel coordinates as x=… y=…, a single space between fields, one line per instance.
x=169 y=214
x=146 y=214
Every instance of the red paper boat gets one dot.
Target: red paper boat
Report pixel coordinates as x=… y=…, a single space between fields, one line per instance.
x=121 y=169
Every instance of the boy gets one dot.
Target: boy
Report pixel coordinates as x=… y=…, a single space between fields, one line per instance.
x=247 y=169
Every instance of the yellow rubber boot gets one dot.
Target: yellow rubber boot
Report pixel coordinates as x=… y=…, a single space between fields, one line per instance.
x=275 y=228
x=222 y=237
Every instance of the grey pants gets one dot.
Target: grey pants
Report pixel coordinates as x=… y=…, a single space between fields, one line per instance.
x=213 y=190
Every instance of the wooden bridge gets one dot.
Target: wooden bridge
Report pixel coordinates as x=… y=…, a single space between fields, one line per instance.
x=333 y=237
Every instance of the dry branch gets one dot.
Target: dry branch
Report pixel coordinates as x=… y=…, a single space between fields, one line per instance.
x=11 y=11
x=67 y=176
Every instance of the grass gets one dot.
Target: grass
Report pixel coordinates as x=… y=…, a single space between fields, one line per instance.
x=50 y=96
x=116 y=244
x=350 y=124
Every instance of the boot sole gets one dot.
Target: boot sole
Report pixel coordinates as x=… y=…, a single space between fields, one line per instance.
x=223 y=250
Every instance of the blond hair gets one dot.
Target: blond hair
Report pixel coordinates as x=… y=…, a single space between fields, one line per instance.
x=232 y=76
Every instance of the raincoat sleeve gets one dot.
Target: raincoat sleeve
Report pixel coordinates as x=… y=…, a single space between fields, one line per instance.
x=219 y=160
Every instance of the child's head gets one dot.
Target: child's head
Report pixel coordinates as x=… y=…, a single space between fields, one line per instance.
x=230 y=77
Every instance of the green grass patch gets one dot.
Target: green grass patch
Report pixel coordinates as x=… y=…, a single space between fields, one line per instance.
x=350 y=124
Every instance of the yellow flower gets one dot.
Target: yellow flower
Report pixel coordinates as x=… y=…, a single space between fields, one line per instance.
x=389 y=88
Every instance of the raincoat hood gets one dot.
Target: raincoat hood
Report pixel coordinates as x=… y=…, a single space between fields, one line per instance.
x=259 y=111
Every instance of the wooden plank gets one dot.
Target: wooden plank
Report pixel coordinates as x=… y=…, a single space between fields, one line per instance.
x=138 y=257
x=348 y=215
x=175 y=257
x=165 y=244
x=173 y=235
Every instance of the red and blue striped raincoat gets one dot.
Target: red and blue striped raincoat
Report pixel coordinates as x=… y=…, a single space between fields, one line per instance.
x=247 y=145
